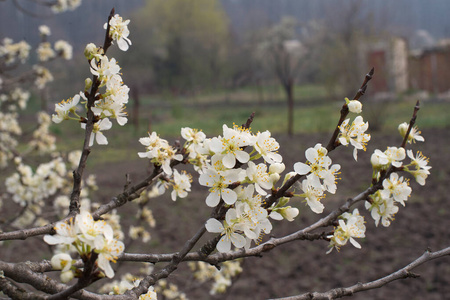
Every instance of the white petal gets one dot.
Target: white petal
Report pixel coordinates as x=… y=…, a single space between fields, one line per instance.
x=242 y=156
x=213 y=199
x=276 y=216
x=103 y=263
x=101 y=138
x=229 y=196
x=213 y=225
x=259 y=190
x=238 y=240
x=316 y=206
x=355 y=243
x=301 y=168
x=229 y=160
x=122 y=44
x=143 y=154
x=224 y=245
x=311 y=154
x=91 y=139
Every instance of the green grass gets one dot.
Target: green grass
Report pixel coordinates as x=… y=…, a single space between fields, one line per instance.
x=249 y=94
x=320 y=118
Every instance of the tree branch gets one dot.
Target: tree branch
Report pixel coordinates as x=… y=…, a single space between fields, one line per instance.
x=74 y=207
x=344 y=110
x=130 y=194
x=303 y=234
x=411 y=124
x=172 y=266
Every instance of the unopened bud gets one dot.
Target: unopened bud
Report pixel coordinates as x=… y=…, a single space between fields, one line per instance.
x=375 y=161
x=17 y=160
x=354 y=106
x=277 y=168
x=67 y=276
x=274 y=177
x=87 y=84
x=89 y=50
x=289 y=213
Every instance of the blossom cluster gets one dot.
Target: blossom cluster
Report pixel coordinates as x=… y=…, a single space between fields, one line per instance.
x=14 y=98
x=222 y=279
x=45 y=51
x=33 y=188
x=321 y=176
x=65 y=5
x=231 y=173
x=395 y=189
x=42 y=140
x=85 y=237
x=119 y=31
x=351 y=226
x=228 y=167
x=109 y=104
x=127 y=282
x=27 y=187
x=10 y=52
x=354 y=133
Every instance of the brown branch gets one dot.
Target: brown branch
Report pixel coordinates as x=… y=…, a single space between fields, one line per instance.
x=411 y=124
x=108 y=39
x=171 y=267
x=359 y=287
x=303 y=234
x=249 y=121
x=344 y=110
x=129 y=195
x=9 y=289
x=23 y=273
x=74 y=206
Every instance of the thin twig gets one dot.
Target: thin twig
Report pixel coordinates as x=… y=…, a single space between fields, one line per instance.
x=74 y=207
x=344 y=110
x=411 y=124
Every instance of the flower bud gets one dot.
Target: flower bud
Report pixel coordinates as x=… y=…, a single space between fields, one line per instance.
x=61 y=261
x=44 y=30
x=403 y=128
x=87 y=84
x=90 y=50
x=289 y=213
x=276 y=168
x=66 y=276
x=354 y=106
x=375 y=161
x=274 y=178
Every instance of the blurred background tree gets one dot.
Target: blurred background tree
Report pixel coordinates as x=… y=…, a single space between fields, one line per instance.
x=283 y=54
x=183 y=45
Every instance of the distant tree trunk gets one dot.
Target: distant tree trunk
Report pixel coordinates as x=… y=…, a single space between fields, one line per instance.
x=136 y=106
x=289 y=89
x=260 y=91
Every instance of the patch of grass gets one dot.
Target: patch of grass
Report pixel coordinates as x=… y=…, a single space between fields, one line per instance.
x=318 y=118
x=249 y=94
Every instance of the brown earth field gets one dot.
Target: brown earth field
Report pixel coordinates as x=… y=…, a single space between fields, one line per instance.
x=303 y=266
